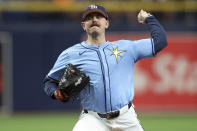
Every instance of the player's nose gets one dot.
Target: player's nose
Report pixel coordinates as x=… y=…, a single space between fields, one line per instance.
x=94 y=18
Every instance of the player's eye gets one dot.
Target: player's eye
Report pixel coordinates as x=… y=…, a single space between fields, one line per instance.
x=89 y=17
x=98 y=16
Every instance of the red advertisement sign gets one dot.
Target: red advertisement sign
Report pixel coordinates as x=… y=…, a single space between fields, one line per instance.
x=169 y=80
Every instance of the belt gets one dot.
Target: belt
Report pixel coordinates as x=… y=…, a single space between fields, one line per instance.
x=112 y=114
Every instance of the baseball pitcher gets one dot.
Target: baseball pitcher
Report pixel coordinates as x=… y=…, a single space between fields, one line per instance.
x=100 y=72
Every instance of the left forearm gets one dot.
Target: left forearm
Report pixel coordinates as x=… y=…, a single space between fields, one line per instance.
x=158 y=33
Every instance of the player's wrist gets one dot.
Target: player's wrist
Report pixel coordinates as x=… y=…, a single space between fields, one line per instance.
x=61 y=96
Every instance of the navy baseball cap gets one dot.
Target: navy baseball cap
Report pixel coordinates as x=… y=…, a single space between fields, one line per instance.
x=94 y=8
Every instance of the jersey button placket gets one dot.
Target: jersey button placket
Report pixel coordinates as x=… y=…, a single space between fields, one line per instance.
x=106 y=80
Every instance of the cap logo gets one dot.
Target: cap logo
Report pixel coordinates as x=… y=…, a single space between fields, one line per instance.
x=93 y=7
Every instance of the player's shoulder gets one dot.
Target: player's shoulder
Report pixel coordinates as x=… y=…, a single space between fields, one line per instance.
x=122 y=42
x=72 y=49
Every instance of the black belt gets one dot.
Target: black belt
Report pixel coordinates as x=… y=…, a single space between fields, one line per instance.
x=110 y=115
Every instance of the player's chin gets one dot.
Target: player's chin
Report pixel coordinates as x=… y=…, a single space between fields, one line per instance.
x=94 y=31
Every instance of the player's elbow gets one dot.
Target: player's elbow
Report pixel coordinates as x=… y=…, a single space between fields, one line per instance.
x=50 y=86
x=163 y=42
x=160 y=43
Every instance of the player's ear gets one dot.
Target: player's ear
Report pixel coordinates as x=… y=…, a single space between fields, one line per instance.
x=83 y=25
x=107 y=24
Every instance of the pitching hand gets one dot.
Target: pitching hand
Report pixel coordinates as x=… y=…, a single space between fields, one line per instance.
x=142 y=16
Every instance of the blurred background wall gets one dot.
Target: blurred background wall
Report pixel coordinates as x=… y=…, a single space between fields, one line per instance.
x=34 y=32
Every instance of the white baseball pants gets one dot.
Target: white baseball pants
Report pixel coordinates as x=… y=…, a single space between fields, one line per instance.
x=91 y=121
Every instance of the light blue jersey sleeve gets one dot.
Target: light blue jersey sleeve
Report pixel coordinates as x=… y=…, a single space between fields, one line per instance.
x=58 y=69
x=142 y=49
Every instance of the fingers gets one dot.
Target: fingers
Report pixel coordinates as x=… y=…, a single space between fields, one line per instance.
x=58 y=95
x=61 y=96
x=142 y=16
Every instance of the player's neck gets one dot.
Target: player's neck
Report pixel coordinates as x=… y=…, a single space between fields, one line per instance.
x=96 y=40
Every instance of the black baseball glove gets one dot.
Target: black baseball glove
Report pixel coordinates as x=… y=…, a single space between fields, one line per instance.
x=73 y=81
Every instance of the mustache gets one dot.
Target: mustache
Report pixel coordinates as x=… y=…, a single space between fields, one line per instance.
x=94 y=24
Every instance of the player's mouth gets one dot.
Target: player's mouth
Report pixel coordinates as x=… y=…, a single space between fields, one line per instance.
x=95 y=24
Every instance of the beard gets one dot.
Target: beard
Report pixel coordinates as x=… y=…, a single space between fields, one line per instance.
x=93 y=33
